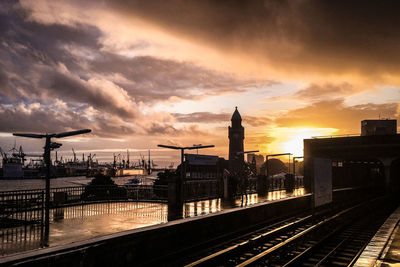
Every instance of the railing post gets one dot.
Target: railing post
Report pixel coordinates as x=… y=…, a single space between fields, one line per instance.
x=262 y=185
x=175 y=204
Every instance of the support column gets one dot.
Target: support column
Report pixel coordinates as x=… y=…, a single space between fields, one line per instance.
x=387 y=163
x=175 y=205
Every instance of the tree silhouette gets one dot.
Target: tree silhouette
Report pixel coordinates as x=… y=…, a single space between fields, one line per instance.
x=275 y=166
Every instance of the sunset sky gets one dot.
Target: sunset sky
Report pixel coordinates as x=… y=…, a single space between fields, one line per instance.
x=142 y=73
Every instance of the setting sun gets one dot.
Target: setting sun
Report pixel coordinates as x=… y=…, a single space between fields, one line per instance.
x=290 y=140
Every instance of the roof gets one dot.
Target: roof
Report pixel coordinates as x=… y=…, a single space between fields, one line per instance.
x=236 y=115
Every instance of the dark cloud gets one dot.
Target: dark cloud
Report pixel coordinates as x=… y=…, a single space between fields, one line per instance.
x=39 y=120
x=28 y=50
x=335 y=114
x=100 y=94
x=151 y=79
x=5 y=89
x=46 y=62
x=322 y=36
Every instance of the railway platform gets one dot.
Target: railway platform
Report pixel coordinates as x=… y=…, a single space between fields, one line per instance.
x=384 y=247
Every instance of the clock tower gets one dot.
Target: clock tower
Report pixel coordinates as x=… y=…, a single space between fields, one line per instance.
x=236 y=137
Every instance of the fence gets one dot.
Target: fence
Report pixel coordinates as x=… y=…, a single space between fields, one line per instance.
x=77 y=194
x=21 y=208
x=22 y=212
x=21 y=220
x=194 y=190
x=127 y=208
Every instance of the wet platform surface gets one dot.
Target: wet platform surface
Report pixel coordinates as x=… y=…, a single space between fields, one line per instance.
x=82 y=222
x=384 y=247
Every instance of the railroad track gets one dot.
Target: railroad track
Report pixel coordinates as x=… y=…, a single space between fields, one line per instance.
x=334 y=238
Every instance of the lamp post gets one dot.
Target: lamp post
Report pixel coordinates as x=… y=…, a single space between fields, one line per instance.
x=294 y=164
x=47 y=158
x=179 y=200
x=197 y=148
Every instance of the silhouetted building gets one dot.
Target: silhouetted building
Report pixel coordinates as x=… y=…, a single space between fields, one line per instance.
x=370 y=159
x=236 y=137
x=203 y=167
x=378 y=127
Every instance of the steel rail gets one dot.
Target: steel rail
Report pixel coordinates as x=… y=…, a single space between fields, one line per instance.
x=214 y=256
x=295 y=237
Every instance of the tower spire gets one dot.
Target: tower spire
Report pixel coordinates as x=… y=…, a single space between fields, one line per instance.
x=236 y=137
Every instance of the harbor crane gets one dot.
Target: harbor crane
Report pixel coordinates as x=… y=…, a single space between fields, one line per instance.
x=49 y=145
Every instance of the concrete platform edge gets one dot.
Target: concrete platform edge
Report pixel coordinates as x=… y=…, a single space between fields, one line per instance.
x=376 y=250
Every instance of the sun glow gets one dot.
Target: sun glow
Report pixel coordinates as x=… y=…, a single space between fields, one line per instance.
x=290 y=140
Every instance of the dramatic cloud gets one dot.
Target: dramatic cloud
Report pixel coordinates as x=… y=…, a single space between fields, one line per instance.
x=326 y=37
x=150 y=79
x=41 y=62
x=317 y=91
x=335 y=114
x=147 y=72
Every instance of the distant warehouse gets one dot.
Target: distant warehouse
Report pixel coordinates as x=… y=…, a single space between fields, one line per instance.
x=378 y=127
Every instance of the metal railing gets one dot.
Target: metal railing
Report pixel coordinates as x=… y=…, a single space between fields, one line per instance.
x=202 y=189
x=334 y=136
x=26 y=199
x=21 y=220
x=20 y=208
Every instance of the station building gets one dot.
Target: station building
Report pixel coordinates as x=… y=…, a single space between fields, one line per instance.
x=204 y=167
x=369 y=160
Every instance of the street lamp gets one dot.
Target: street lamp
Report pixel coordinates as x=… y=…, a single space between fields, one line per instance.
x=294 y=164
x=47 y=148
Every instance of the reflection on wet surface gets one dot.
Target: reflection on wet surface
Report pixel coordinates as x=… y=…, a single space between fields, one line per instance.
x=75 y=223
x=83 y=222
x=203 y=207
x=19 y=239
